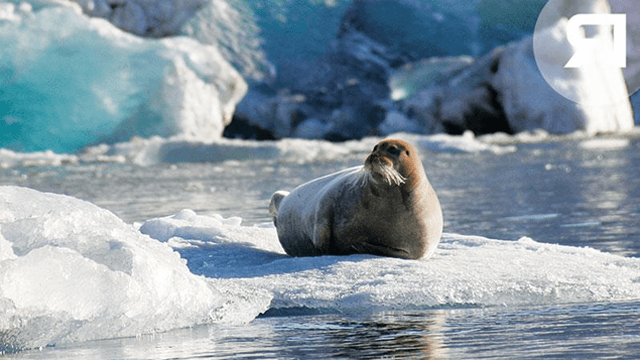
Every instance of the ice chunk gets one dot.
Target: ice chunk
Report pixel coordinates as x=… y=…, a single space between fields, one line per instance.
x=158 y=150
x=505 y=92
x=70 y=271
x=9 y=159
x=465 y=271
x=67 y=81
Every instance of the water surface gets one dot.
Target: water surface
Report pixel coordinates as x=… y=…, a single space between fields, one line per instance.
x=579 y=193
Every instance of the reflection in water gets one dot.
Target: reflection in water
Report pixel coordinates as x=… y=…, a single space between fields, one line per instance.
x=384 y=335
x=397 y=336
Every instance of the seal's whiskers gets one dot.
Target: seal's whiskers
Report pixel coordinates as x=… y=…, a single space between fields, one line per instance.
x=392 y=176
x=363 y=178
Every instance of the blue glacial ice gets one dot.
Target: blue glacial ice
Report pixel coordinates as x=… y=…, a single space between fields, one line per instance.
x=70 y=271
x=68 y=81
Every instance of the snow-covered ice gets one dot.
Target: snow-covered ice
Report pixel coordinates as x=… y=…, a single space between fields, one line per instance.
x=70 y=271
x=158 y=150
x=465 y=270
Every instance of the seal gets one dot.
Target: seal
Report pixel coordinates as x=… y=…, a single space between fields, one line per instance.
x=386 y=207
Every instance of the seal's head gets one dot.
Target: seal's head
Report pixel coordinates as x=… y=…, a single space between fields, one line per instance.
x=393 y=162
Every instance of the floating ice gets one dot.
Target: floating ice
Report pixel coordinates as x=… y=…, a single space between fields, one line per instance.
x=10 y=159
x=70 y=271
x=157 y=150
x=465 y=270
x=68 y=81
x=605 y=144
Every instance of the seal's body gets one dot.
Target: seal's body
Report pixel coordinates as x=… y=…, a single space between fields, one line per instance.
x=386 y=207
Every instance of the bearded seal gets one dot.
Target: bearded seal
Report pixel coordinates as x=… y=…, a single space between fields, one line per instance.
x=386 y=207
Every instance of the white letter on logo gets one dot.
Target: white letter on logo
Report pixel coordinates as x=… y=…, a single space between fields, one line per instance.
x=589 y=48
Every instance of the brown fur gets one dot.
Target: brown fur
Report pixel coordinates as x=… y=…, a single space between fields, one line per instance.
x=385 y=208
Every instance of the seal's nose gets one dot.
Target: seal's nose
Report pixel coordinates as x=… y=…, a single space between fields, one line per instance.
x=371 y=158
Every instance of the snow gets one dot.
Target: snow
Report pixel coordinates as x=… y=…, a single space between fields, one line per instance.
x=156 y=150
x=465 y=270
x=69 y=81
x=70 y=271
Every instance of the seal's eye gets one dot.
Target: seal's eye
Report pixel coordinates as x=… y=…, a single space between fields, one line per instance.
x=394 y=150
x=375 y=148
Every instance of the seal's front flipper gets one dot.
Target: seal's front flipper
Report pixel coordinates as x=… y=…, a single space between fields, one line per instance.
x=381 y=250
x=274 y=205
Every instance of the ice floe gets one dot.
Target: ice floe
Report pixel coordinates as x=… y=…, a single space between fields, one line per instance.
x=70 y=271
x=465 y=270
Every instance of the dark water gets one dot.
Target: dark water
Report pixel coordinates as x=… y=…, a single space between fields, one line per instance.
x=576 y=193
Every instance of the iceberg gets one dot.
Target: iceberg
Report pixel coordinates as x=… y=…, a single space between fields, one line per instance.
x=70 y=271
x=406 y=66
x=69 y=78
x=523 y=87
x=68 y=81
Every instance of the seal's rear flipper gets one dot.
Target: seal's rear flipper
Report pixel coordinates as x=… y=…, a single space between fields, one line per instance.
x=274 y=205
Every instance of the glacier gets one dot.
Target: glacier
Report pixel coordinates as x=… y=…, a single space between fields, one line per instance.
x=72 y=272
x=87 y=82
